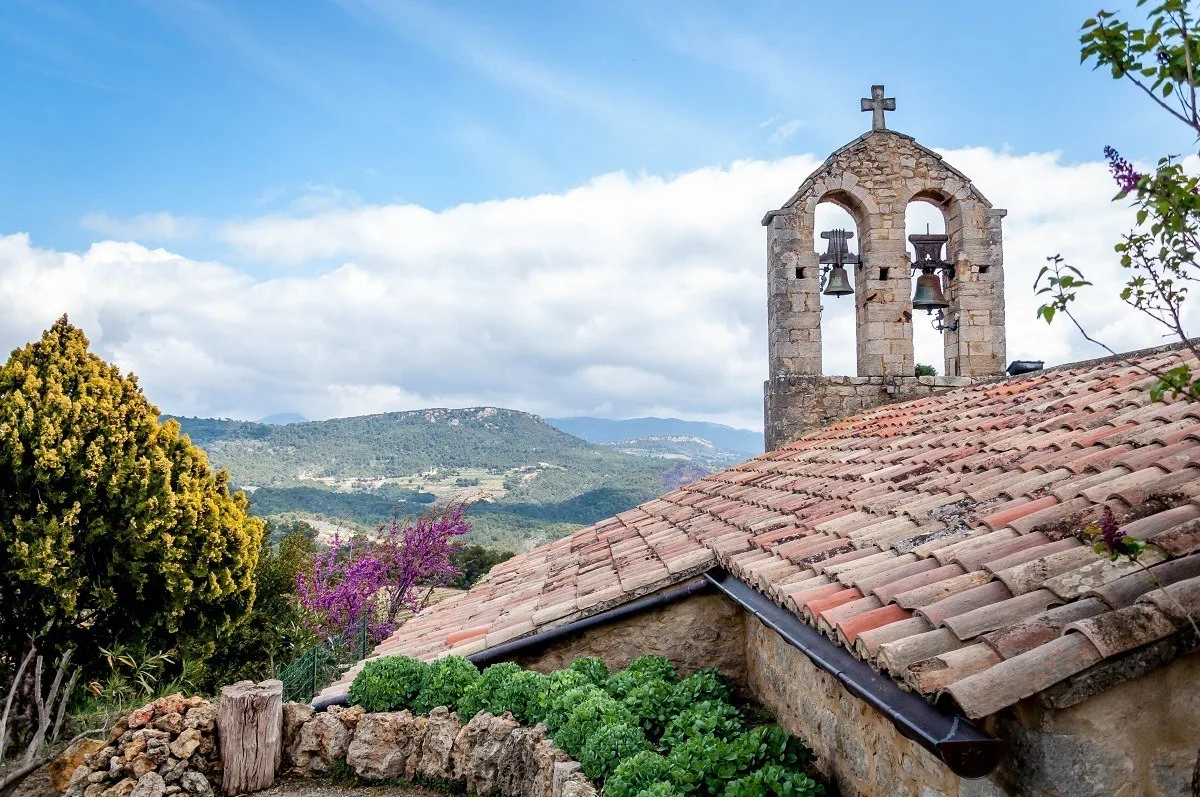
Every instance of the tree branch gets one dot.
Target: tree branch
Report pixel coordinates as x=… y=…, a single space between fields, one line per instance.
x=12 y=692
x=10 y=781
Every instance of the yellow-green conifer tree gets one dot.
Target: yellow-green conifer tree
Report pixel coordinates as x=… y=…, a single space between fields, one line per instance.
x=113 y=527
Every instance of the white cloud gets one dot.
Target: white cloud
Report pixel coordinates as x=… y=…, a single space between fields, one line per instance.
x=785 y=131
x=625 y=296
x=145 y=226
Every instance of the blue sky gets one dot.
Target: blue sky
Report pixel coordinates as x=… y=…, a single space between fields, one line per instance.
x=336 y=207
x=225 y=110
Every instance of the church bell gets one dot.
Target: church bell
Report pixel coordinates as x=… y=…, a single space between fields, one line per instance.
x=838 y=283
x=928 y=295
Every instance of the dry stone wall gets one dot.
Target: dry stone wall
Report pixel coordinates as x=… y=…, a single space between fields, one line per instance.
x=489 y=755
x=164 y=748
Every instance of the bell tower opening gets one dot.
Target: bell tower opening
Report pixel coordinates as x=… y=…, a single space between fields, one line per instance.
x=924 y=216
x=838 y=320
x=842 y=287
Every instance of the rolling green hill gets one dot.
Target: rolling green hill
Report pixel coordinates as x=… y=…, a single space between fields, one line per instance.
x=524 y=480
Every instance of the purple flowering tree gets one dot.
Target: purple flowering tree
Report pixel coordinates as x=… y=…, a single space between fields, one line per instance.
x=376 y=580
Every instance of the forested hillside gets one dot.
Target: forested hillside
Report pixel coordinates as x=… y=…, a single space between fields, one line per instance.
x=524 y=480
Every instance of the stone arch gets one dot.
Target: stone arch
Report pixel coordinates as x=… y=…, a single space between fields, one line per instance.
x=876 y=176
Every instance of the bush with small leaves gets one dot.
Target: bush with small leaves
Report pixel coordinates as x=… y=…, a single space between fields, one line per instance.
x=593 y=668
x=608 y=747
x=560 y=707
x=522 y=695
x=477 y=696
x=388 y=684
x=446 y=679
x=653 y=667
x=636 y=774
x=770 y=744
x=559 y=683
x=660 y=789
x=596 y=710
x=706 y=684
x=710 y=718
x=703 y=764
x=774 y=780
x=622 y=683
x=653 y=704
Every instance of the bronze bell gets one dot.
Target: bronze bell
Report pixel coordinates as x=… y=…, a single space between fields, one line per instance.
x=838 y=283
x=928 y=295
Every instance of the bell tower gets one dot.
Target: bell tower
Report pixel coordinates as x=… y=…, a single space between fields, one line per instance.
x=959 y=280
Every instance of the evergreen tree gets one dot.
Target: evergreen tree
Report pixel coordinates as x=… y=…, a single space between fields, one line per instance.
x=113 y=528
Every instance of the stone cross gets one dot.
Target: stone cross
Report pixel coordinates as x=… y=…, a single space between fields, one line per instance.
x=877 y=104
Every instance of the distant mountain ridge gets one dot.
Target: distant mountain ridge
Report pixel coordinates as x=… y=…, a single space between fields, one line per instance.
x=606 y=430
x=525 y=481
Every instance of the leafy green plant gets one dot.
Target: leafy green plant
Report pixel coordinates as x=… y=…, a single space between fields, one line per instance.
x=637 y=773
x=595 y=670
x=653 y=667
x=770 y=744
x=622 y=683
x=660 y=789
x=560 y=707
x=703 y=764
x=444 y=682
x=388 y=684
x=608 y=746
x=653 y=703
x=706 y=684
x=559 y=683
x=776 y=780
x=478 y=695
x=710 y=718
x=596 y=710
x=523 y=695
x=925 y=370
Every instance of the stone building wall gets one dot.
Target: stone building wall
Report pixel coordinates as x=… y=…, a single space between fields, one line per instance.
x=797 y=403
x=1138 y=737
x=702 y=631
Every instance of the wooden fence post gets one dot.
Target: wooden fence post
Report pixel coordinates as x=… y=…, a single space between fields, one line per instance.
x=250 y=730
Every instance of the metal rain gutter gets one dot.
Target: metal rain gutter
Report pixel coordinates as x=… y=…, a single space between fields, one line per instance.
x=968 y=751
x=509 y=650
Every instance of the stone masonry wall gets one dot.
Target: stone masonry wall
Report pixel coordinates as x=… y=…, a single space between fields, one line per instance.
x=874 y=178
x=799 y=403
x=1137 y=737
x=702 y=631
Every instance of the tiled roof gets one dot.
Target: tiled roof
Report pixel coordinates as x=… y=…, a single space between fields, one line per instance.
x=934 y=538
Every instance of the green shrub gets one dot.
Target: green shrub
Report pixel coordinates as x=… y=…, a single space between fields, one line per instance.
x=708 y=718
x=776 y=780
x=702 y=765
x=770 y=744
x=479 y=694
x=653 y=704
x=559 y=683
x=596 y=710
x=660 y=789
x=445 y=681
x=594 y=669
x=706 y=684
x=636 y=774
x=608 y=746
x=523 y=695
x=622 y=683
x=388 y=684
x=560 y=708
x=653 y=667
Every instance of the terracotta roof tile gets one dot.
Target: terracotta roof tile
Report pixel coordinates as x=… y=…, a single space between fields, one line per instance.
x=964 y=507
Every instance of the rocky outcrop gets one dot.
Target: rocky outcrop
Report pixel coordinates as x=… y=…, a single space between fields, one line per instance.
x=163 y=748
x=489 y=755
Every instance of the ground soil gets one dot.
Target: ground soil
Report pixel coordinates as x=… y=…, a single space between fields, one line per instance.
x=302 y=787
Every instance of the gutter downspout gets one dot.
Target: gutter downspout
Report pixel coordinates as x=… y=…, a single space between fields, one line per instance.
x=968 y=751
x=696 y=586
